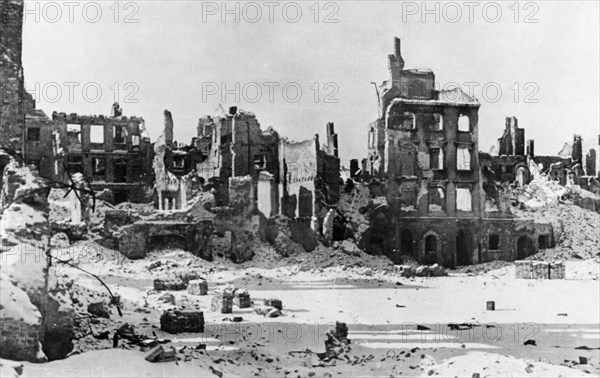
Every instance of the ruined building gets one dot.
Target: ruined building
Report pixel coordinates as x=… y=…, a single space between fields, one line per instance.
x=113 y=151
x=423 y=156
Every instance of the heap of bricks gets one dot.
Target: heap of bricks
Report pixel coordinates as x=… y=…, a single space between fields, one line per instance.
x=174 y=321
x=540 y=270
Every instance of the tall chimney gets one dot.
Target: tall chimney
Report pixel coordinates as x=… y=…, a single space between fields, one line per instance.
x=397 y=52
x=168 y=128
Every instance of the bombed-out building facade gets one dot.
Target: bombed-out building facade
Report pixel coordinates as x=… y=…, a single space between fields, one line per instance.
x=423 y=156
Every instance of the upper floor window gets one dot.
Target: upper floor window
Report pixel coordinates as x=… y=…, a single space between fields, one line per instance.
x=97 y=133
x=463 y=123
x=409 y=121
x=119 y=134
x=438 y=122
x=98 y=166
x=74 y=133
x=436 y=158
x=463 y=199
x=463 y=159
x=33 y=134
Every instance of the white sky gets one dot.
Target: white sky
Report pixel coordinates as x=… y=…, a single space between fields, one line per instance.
x=171 y=54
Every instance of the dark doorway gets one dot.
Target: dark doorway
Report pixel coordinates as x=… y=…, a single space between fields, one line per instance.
x=407 y=243
x=120 y=171
x=524 y=247
x=464 y=248
x=431 y=246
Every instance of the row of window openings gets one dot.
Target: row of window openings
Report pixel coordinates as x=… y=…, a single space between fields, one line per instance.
x=436 y=123
x=97 y=134
x=437 y=199
x=410 y=122
x=436 y=160
x=99 y=167
x=494 y=242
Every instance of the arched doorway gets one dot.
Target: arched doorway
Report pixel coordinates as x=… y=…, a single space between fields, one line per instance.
x=524 y=247
x=407 y=243
x=464 y=248
x=431 y=248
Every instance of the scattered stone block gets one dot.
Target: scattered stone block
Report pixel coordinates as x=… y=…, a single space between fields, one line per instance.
x=174 y=321
x=169 y=284
x=159 y=354
x=223 y=301
x=242 y=299
x=197 y=287
x=99 y=309
x=273 y=302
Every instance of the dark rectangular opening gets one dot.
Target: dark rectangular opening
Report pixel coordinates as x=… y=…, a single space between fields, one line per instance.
x=33 y=134
x=543 y=241
x=493 y=242
x=75 y=164
x=120 y=171
x=98 y=166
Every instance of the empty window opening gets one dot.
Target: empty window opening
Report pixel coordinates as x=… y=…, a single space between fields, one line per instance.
x=178 y=162
x=120 y=171
x=119 y=134
x=409 y=121
x=97 y=133
x=463 y=159
x=372 y=137
x=33 y=134
x=493 y=242
x=438 y=122
x=98 y=166
x=544 y=241
x=135 y=140
x=463 y=123
x=75 y=164
x=463 y=199
x=437 y=199
x=436 y=158
x=74 y=133
x=260 y=162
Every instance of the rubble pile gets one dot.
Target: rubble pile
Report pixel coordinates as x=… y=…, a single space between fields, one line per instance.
x=575 y=231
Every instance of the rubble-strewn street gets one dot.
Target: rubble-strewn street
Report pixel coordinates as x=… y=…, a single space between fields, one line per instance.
x=245 y=252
